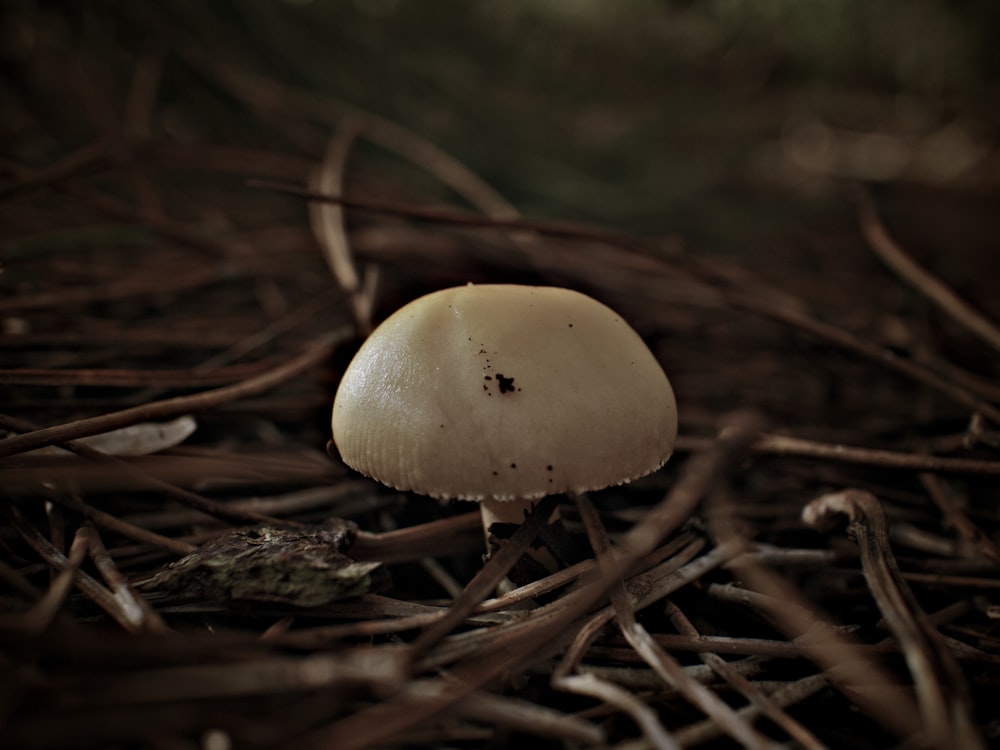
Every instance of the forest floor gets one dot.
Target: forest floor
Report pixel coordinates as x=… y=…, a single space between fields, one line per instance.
x=810 y=253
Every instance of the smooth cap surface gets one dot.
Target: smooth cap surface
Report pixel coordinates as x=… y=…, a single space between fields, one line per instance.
x=504 y=391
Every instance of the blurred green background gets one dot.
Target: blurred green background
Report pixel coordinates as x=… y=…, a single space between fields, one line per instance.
x=701 y=118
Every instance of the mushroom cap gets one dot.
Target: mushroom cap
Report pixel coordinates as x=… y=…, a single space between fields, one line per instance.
x=504 y=392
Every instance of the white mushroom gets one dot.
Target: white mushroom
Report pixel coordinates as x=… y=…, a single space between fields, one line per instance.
x=504 y=394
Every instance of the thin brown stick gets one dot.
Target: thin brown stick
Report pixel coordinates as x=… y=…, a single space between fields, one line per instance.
x=785 y=445
x=757 y=697
x=190 y=499
x=902 y=263
x=315 y=353
x=267 y=334
x=734 y=646
x=415 y=702
x=955 y=517
x=263 y=675
x=613 y=695
x=456 y=217
x=56 y=559
x=131 y=531
x=327 y=635
x=145 y=616
x=415 y=542
x=847 y=667
x=16 y=581
x=86 y=156
x=657 y=658
x=122 y=288
x=526 y=717
x=122 y=211
x=786 y=695
x=38 y=619
x=882 y=355
x=271 y=96
x=644 y=589
x=327 y=220
x=334 y=498
x=643 y=678
x=941 y=689
x=123 y=378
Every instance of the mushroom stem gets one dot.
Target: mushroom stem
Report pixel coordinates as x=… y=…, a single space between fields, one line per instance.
x=503 y=511
x=513 y=512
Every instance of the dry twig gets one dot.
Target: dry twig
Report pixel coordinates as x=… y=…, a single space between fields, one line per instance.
x=173 y=407
x=941 y=689
x=661 y=662
x=759 y=700
x=863 y=680
x=327 y=221
x=895 y=256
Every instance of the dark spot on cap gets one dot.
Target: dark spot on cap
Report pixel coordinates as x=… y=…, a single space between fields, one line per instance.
x=495 y=473
x=547 y=468
x=506 y=384
x=513 y=466
x=487 y=377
